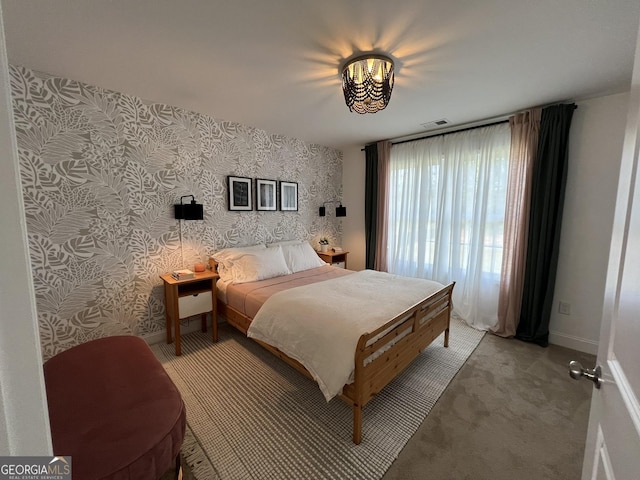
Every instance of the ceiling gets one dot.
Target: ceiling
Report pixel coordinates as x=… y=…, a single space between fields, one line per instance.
x=274 y=64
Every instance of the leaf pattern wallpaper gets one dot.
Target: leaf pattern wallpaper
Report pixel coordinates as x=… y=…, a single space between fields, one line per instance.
x=100 y=174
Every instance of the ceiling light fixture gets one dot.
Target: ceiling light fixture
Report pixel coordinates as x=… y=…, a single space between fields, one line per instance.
x=367 y=82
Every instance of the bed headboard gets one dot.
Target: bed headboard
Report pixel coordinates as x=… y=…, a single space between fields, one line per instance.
x=213 y=265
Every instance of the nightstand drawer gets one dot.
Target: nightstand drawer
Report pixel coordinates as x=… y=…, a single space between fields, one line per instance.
x=339 y=264
x=194 y=304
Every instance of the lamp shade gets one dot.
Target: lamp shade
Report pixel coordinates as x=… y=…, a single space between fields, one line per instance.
x=190 y=211
x=367 y=83
x=340 y=210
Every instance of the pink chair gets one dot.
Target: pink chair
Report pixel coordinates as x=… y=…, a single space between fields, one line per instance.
x=114 y=410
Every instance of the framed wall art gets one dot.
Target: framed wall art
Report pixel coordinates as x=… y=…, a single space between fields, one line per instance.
x=239 y=193
x=266 y=194
x=288 y=196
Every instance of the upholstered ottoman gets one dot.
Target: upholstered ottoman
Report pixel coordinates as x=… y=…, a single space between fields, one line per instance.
x=114 y=409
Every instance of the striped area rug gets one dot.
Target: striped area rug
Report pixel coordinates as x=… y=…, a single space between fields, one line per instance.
x=251 y=416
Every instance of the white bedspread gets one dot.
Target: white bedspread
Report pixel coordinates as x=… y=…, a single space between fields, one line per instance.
x=319 y=325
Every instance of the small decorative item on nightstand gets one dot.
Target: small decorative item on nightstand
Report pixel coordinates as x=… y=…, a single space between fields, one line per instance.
x=183 y=274
x=199 y=267
x=324 y=244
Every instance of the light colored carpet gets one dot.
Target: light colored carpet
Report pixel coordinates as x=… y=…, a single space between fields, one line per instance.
x=251 y=416
x=512 y=412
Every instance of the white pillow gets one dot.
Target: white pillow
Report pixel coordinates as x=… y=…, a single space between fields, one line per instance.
x=301 y=257
x=227 y=252
x=284 y=242
x=223 y=256
x=255 y=265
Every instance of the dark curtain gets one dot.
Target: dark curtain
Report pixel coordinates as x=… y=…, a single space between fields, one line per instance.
x=547 y=199
x=371 y=204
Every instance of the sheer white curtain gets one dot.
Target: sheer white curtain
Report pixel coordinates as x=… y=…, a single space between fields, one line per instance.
x=446 y=215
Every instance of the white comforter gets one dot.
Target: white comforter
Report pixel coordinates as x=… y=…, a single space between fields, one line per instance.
x=319 y=325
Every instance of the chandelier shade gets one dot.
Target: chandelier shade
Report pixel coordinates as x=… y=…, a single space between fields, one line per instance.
x=367 y=83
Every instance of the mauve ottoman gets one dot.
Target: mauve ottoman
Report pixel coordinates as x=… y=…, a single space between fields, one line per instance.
x=114 y=410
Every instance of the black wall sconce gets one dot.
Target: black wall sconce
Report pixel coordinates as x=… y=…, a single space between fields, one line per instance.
x=340 y=210
x=190 y=211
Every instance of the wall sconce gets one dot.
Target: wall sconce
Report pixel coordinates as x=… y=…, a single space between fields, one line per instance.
x=340 y=210
x=190 y=211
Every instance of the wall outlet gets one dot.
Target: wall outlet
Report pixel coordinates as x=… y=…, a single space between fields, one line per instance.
x=564 y=308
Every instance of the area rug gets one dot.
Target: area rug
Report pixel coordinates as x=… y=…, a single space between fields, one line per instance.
x=251 y=416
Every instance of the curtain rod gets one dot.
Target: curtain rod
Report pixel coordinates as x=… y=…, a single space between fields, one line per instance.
x=445 y=131
x=441 y=132
x=489 y=122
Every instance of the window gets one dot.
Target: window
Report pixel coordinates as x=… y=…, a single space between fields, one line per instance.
x=446 y=215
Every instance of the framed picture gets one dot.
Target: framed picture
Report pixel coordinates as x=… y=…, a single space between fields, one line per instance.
x=288 y=196
x=239 y=193
x=265 y=194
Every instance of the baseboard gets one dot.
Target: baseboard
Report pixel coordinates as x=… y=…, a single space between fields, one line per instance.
x=576 y=343
x=188 y=325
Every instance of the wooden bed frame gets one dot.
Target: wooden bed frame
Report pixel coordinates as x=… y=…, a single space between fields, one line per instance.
x=420 y=325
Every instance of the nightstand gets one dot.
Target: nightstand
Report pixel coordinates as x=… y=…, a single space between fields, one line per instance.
x=335 y=259
x=186 y=298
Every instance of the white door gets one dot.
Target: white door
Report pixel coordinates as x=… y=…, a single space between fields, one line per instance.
x=613 y=441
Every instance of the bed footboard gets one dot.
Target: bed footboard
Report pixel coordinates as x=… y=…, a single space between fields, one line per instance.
x=384 y=353
x=381 y=355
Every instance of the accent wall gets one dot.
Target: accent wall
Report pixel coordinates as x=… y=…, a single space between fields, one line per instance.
x=100 y=173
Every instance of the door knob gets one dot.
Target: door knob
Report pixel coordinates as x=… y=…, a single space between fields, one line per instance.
x=576 y=371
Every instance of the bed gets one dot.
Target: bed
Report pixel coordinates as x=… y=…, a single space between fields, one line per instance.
x=351 y=332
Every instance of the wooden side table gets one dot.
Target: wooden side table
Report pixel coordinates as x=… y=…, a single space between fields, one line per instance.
x=186 y=298
x=335 y=259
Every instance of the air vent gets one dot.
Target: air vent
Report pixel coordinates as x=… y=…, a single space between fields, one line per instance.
x=436 y=124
